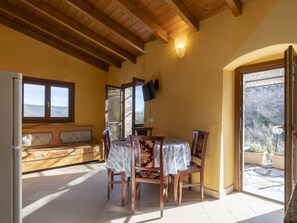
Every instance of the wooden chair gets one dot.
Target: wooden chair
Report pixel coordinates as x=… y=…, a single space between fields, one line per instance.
x=144 y=169
x=110 y=173
x=198 y=152
x=146 y=131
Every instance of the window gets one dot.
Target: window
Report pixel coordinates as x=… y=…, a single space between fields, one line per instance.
x=139 y=105
x=47 y=100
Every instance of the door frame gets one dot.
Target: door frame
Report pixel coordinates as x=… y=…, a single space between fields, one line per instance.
x=290 y=121
x=133 y=84
x=238 y=158
x=123 y=87
x=106 y=121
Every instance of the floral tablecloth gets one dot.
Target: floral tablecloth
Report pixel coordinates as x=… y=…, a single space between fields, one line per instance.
x=176 y=155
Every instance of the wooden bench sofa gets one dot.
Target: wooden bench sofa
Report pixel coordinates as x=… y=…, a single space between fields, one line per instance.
x=54 y=145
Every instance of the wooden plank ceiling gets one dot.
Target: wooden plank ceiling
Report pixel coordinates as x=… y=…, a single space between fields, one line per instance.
x=106 y=33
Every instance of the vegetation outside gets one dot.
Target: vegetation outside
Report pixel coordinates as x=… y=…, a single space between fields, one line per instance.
x=264 y=109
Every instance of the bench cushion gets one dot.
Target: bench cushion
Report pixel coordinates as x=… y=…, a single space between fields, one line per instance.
x=76 y=136
x=37 y=139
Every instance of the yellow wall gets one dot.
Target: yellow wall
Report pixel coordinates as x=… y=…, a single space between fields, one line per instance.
x=194 y=93
x=35 y=59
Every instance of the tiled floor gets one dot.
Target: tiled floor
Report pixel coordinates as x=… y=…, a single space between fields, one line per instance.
x=77 y=194
x=264 y=181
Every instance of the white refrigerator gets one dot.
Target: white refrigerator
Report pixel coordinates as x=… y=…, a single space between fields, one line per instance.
x=10 y=147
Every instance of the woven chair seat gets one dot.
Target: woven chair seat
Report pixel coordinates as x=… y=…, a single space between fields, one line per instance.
x=148 y=174
x=193 y=166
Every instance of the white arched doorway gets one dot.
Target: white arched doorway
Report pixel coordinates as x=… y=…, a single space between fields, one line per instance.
x=230 y=134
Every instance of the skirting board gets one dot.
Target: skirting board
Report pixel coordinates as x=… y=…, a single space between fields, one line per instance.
x=213 y=193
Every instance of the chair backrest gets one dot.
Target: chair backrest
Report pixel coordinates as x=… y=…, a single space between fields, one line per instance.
x=143 y=155
x=145 y=131
x=106 y=143
x=199 y=145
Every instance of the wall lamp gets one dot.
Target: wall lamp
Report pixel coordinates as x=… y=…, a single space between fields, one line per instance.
x=180 y=46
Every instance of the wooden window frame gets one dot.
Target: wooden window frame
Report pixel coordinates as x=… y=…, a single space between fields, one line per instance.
x=48 y=84
x=238 y=161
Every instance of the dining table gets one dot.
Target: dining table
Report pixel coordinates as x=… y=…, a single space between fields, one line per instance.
x=176 y=155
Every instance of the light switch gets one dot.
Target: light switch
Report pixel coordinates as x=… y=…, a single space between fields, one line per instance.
x=150 y=119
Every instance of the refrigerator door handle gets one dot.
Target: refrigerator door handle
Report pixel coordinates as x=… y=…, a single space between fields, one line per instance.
x=17 y=112
x=17 y=148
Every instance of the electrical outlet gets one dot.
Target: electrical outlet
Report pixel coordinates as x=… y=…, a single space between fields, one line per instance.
x=150 y=119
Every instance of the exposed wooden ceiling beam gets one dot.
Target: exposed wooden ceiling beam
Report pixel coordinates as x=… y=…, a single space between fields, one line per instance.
x=63 y=35
x=235 y=6
x=39 y=35
x=108 y=23
x=184 y=13
x=72 y=24
x=145 y=20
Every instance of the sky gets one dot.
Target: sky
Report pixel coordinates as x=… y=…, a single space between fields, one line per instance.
x=34 y=95
x=139 y=107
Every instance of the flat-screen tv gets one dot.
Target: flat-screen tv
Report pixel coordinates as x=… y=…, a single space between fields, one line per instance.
x=148 y=91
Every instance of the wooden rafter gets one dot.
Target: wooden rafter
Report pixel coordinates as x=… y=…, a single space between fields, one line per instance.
x=235 y=6
x=184 y=13
x=46 y=38
x=145 y=20
x=63 y=35
x=75 y=26
x=110 y=24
